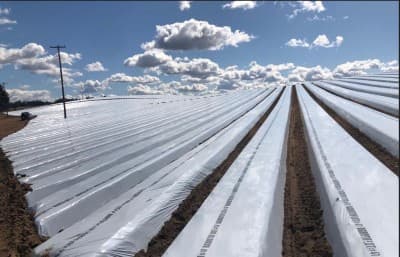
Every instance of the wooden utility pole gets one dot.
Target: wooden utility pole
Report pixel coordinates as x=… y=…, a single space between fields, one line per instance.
x=61 y=74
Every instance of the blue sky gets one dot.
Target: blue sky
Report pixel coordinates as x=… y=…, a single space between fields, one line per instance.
x=274 y=44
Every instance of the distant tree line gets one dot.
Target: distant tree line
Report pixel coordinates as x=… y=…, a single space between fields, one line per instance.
x=25 y=104
x=5 y=104
x=4 y=98
x=60 y=100
x=34 y=103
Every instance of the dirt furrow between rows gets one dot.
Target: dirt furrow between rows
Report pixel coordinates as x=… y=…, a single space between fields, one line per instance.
x=171 y=228
x=378 y=151
x=18 y=234
x=303 y=231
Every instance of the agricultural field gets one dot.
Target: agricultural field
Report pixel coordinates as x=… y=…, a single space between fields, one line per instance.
x=306 y=169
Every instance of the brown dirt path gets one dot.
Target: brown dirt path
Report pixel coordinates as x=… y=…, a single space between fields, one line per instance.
x=303 y=231
x=375 y=149
x=171 y=229
x=18 y=234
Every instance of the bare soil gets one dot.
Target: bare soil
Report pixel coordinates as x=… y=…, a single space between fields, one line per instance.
x=10 y=124
x=303 y=233
x=18 y=234
x=378 y=151
x=171 y=229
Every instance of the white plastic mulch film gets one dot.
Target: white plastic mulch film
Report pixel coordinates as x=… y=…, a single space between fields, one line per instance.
x=243 y=215
x=104 y=184
x=107 y=178
x=382 y=103
x=359 y=195
x=384 y=91
x=375 y=81
x=380 y=127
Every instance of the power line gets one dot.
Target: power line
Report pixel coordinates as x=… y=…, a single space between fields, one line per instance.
x=61 y=74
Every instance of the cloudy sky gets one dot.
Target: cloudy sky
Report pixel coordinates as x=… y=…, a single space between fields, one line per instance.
x=190 y=47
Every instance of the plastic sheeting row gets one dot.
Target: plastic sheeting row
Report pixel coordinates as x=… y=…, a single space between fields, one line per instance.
x=381 y=75
x=73 y=185
x=392 y=79
x=374 y=82
x=390 y=92
x=387 y=78
x=86 y=143
x=243 y=215
x=360 y=196
x=383 y=103
x=394 y=75
x=126 y=224
x=88 y=115
x=109 y=175
x=95 y=125
x=380 y=127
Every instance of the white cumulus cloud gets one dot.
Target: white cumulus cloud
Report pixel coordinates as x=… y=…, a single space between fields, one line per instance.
x=32 y=57
x=245 y=5
x=196 y=35
x=143 y=90
x=392 y=66
x=301 y=73
x=197 y=67
x=171 y=88
x=29 y=95
x=319 y=18
x=10 y=55
x=25 y=87
x=48 y=65
x=157 y=61
x=5 y=11
x=323 y=41
x=320 y=41
x=90 y=86
x=307 y=6
x=202 y=75
x=95 y=66
x=6 y=21
x=184 y=5
x=312 y=6
x=355 y=68
x=124 y=78
x=96 y=86
x=149 y=58
x=194 y=88
x=297 y=43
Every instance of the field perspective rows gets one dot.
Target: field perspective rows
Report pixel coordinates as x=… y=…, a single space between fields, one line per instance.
x=306 y=169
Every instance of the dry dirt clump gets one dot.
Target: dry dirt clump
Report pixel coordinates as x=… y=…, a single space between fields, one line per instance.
x=303 y=232
x=18 y=234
